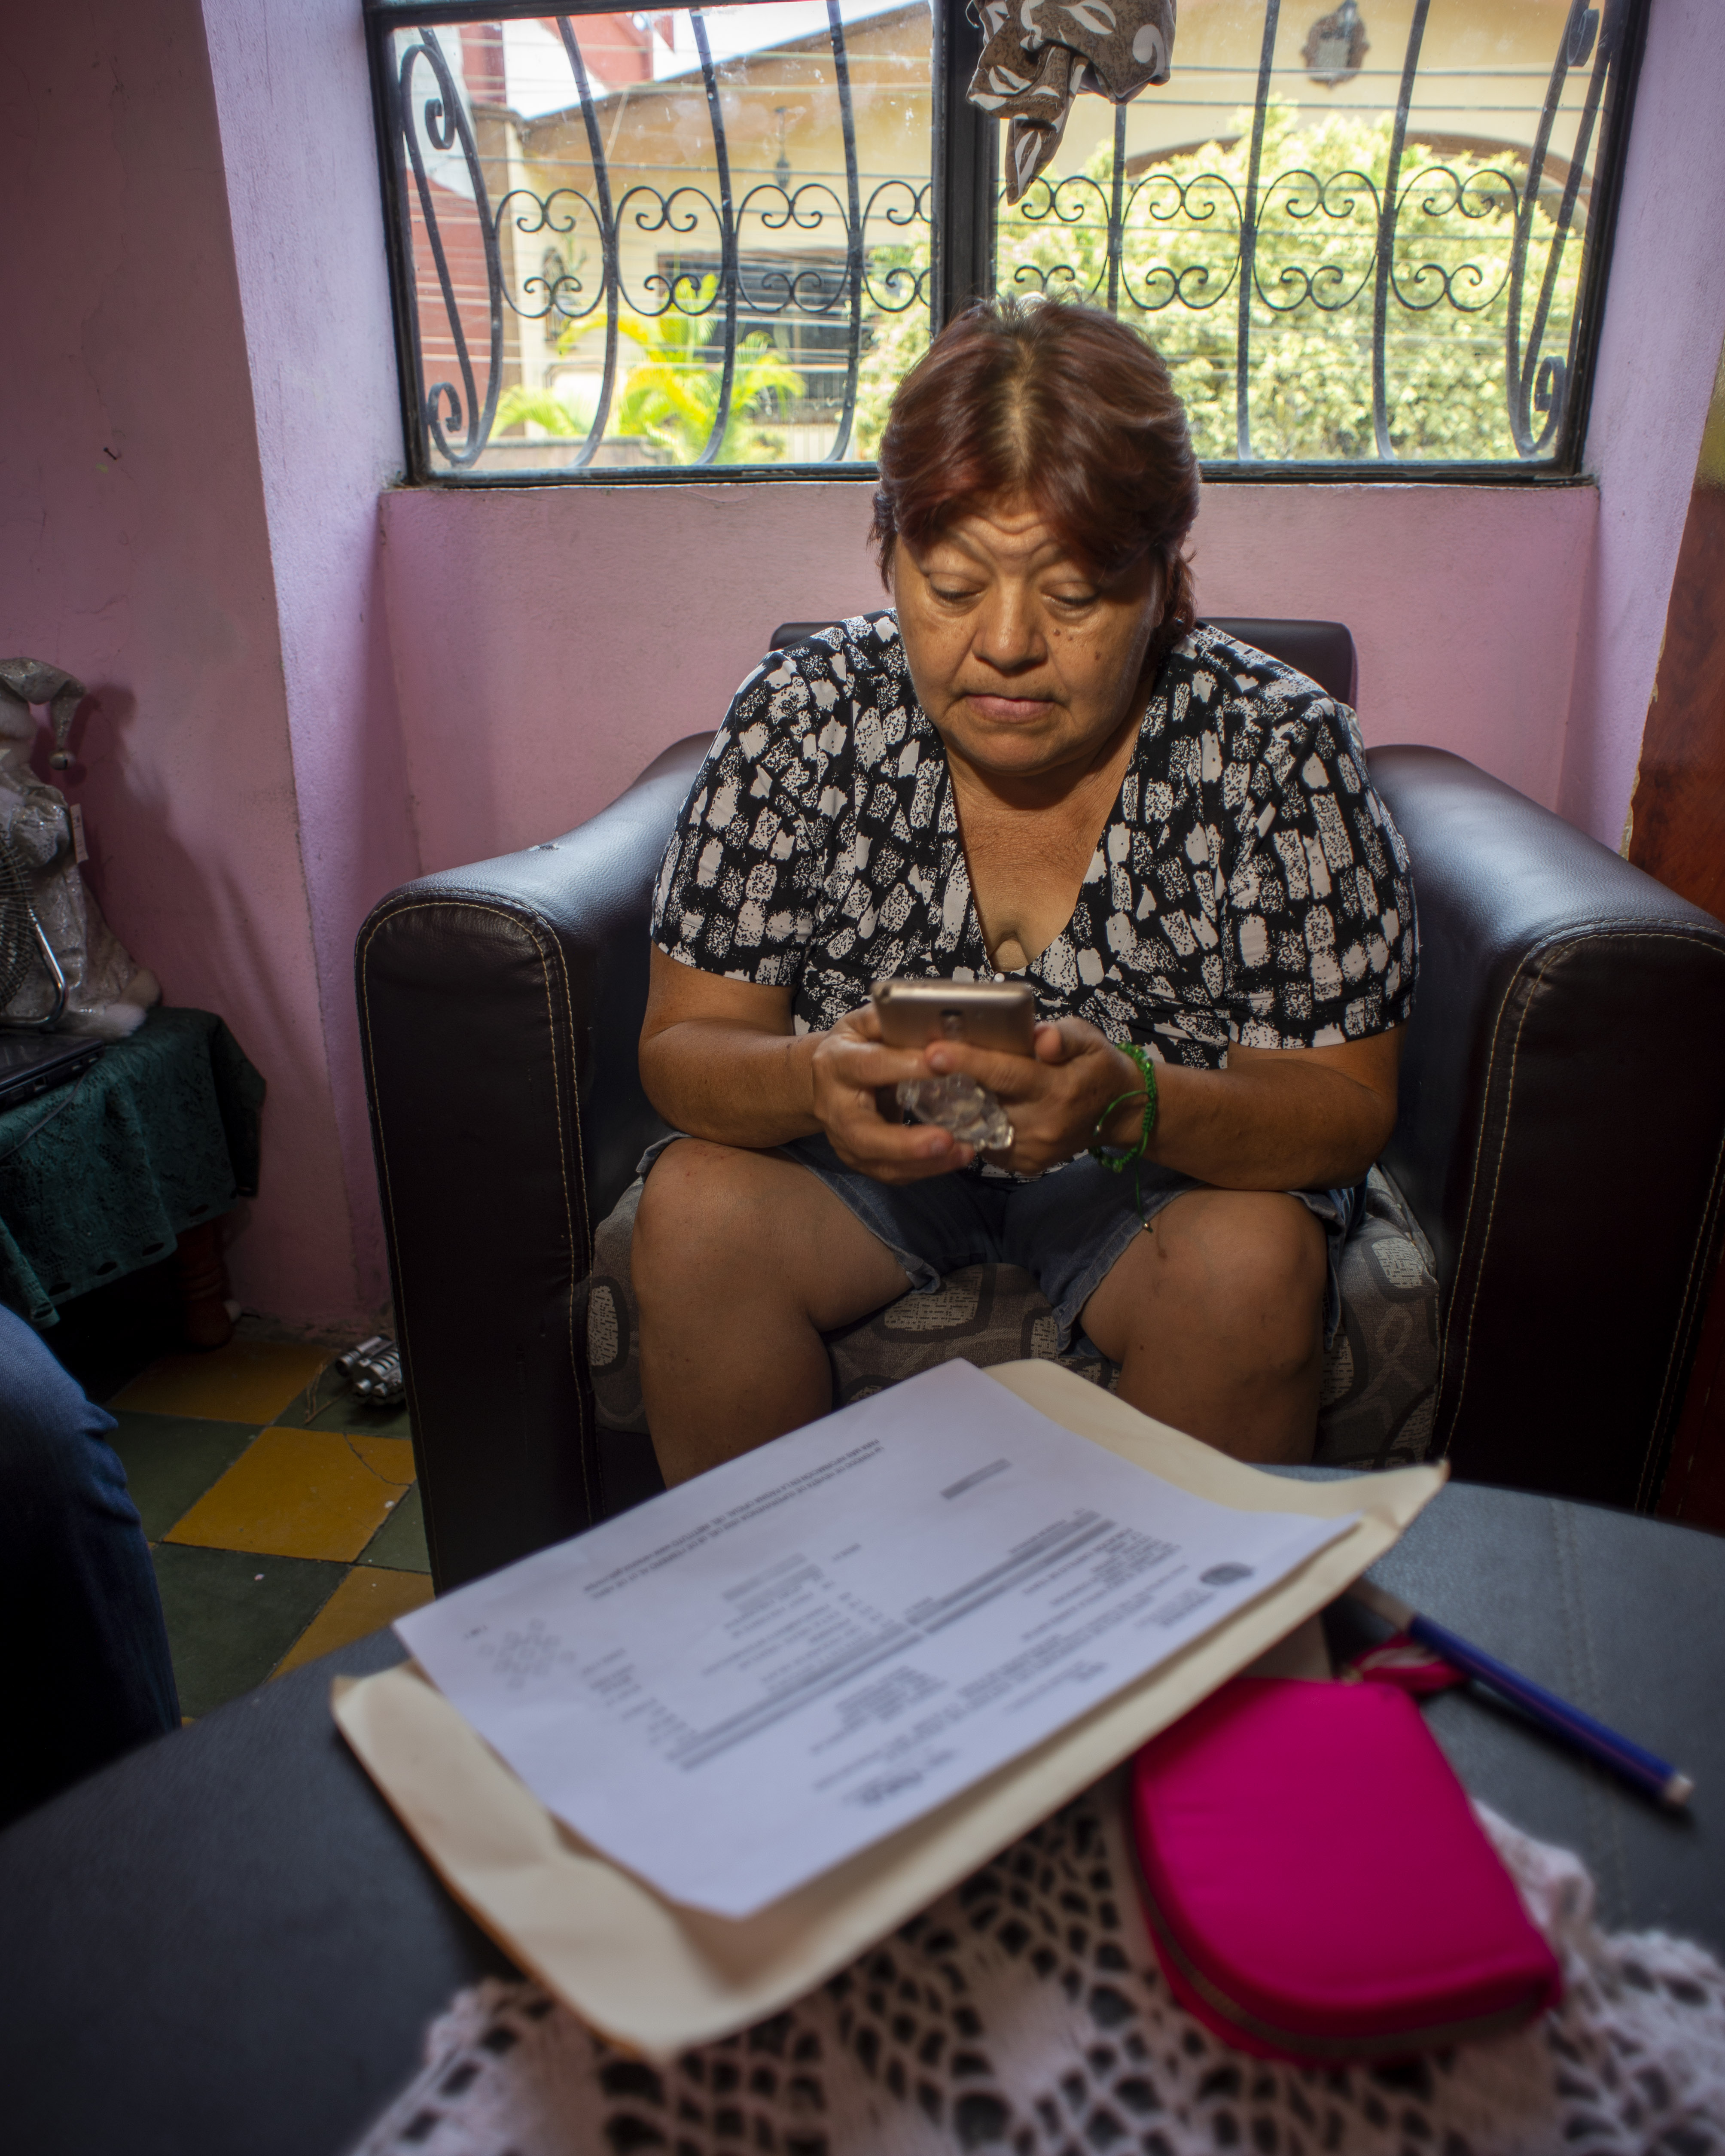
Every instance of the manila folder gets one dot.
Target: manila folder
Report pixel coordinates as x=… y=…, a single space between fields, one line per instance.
x=656 y=1977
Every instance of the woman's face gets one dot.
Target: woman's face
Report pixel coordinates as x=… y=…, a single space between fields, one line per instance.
x=1025 y=664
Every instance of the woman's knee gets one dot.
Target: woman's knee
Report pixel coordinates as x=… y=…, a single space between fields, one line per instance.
x=702 y=1212
x=1253 y=1261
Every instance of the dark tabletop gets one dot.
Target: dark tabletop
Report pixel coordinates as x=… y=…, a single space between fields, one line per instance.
x=226 y=1943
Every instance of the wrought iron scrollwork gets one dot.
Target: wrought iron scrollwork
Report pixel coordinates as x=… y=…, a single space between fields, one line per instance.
x=1382 y=268
x=853 y=234
x=1477 y=195
x=814 y=267
x=1535 y=381
x=701 y=271
x=1248 y=219
x=446 y=123
x=728 y=239
x=606 y=222
x=1379 y=246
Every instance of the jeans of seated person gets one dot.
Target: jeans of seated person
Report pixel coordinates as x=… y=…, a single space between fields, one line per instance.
x=85 y=1671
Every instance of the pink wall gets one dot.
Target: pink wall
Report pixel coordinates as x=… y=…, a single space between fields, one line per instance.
x=1464 y=602
x=550 y=641
x=1664 y=324
x=135 y=550
x=301 y=159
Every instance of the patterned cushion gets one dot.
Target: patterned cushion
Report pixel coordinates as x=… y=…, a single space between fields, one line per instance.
x=1380 y=1375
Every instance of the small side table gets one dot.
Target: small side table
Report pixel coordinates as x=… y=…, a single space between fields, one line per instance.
x=135 y=1160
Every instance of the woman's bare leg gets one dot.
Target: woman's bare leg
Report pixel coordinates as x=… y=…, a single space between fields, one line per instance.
x=1216 y=1318
x=741 y=1261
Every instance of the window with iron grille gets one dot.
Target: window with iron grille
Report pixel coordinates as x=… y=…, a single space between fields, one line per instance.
x=1369 y=237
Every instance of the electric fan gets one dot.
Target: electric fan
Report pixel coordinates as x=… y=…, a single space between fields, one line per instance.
x=23 y=945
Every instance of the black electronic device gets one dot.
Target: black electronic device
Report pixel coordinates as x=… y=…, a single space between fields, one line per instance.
x=33 y=1062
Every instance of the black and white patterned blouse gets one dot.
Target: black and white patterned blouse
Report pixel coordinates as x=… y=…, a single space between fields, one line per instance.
x=1250 y=884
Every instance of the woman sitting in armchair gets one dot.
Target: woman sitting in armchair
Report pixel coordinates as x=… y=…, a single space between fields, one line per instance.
x=1033 y=765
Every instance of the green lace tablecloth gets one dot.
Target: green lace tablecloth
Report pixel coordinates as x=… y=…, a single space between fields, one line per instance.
x=104 y=1175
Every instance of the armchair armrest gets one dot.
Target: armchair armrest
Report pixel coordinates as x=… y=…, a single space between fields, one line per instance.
x=499 y=1006
x=1563 y=1111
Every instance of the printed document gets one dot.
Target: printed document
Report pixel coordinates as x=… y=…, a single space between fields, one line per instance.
x=746 y=1680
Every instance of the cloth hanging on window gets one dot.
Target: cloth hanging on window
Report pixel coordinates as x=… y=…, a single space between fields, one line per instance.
x=1038 y=54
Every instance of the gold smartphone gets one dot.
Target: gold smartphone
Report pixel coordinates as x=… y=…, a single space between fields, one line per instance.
x=994 y=1015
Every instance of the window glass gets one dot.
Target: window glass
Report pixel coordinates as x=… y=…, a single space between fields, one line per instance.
x=686 y=238
x=1364 y=232
x=1354 y=234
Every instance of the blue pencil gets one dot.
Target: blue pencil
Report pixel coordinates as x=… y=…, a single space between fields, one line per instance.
x=1644 y=1769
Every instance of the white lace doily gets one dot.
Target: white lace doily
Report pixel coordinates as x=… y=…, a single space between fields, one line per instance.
x=1023 y=2012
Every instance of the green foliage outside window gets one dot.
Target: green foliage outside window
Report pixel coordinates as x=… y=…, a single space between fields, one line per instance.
x=893 y=345
x=1309 y=370
x=671 y=396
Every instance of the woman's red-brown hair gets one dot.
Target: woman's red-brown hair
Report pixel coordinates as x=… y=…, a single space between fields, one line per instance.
x=1059 y=402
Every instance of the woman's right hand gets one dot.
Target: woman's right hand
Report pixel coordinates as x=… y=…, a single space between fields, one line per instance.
x=723 y=1061
x=849 y=1066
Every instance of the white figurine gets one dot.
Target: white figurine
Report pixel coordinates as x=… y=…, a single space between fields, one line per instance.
x=107 y=992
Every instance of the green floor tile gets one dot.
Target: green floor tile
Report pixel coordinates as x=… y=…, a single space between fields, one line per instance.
x=228 y=1628
x=170 y=1461
x=351 y=1414
x=400 y=1542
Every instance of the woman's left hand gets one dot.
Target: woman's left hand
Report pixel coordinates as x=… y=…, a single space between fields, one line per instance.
x=1055 y=1098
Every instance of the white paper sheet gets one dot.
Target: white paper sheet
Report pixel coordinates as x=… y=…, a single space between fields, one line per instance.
x=748 y=1680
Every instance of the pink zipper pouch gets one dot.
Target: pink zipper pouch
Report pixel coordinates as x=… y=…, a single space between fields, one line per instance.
x=1316 y=1885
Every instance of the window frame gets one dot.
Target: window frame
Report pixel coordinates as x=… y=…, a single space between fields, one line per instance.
x=965 y=158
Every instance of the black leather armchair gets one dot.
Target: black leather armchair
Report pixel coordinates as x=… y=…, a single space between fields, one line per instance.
x=1560 y=1139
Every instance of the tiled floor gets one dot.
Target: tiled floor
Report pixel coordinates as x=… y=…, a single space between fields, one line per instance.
x=281 y=1510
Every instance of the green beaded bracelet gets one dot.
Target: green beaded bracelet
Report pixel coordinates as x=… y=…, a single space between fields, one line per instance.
x=1120 y=1156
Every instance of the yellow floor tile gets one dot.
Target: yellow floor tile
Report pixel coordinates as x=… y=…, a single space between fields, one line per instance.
x=367 y=1600
x=246 y=1381
x=390 y=1457
x=299 y=1493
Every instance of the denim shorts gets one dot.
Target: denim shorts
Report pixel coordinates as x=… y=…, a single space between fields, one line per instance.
x=1067 y=1229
